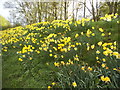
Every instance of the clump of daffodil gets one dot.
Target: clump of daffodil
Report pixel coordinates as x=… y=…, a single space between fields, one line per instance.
x=89 y=32
x=105 y=79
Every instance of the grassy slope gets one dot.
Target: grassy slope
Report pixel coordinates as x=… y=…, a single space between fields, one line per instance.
x=15 y=76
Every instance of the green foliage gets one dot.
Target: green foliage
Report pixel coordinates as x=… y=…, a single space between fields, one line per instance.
x=17 y=75
x=4 y=23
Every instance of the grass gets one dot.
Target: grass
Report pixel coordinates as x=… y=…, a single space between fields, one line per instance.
x=36 y=73
x=16 y=76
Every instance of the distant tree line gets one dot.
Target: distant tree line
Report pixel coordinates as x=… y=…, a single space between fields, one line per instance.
x=33 y=12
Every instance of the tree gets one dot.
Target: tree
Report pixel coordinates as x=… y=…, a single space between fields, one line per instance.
x=110 y=7
x=32 y=12
x=4 y=24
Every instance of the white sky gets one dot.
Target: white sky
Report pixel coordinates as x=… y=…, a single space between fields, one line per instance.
x=4 y=11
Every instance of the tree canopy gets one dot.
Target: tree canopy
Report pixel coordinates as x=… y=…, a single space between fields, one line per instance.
x=4 y=22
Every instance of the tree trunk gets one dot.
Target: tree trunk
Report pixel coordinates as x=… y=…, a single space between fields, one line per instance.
x=61 y=10
x=97 y=11
x=84 y=8
x=65 y=10
x=115 y=7
x=93 y=11
x=46 y=14
x=110 y=5
x=39 y=11
x=55 y=12
x=73 y=10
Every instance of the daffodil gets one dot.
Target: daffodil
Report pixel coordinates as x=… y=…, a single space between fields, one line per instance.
x=82 y=33
x=105 y=79
x=75 y=49
x=103 y=65
x=92 y=20
x=49 y=87
x=50 y=50
x=62 y=62
x=101 y=30
x=118 y=22
x=55 y=56
x=115 y=69
x=102 y=78
x=88 y=48
x=109 y=33
x=88 y=33
x=103 y=34
x=92 y=46
x=68 y=63
x=20 y=59
x=56 y=64
x=99 y=43
x=74 y=84
x=23 y=55
x=93 y=34
x=77 y=43
x=62 y=56
x=116 y=54
x=47 y=63
x=97 y=58
x=115 y=43
x=50 y=55
x=112 y=47
x=76 y=35
x=83 y=67
x=98 y=52
x=93 y=27
x=90 y=69
x=30 y=58
x=105 y=53
x=53 y=83
x=104 y=60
